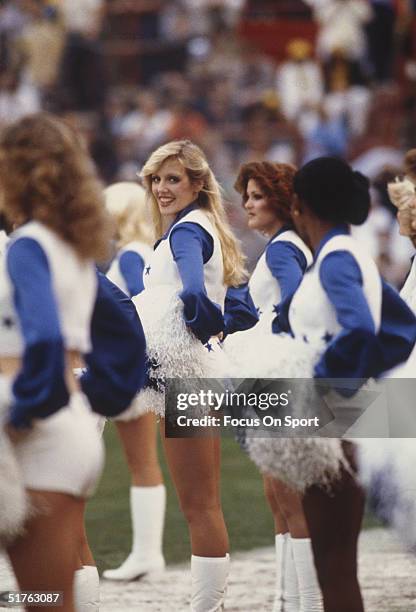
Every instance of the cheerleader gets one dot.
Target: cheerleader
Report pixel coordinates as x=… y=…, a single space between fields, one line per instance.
x=403 y=195
x=115 y=372
x=339 y=311
x=267 y=191
x=181 y=308
x=386 y=467
x=126 y=205
x=48 y=288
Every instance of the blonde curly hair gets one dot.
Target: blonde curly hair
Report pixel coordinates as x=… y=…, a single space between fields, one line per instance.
x=47 y=175
x=195 y=163
x=126 y=203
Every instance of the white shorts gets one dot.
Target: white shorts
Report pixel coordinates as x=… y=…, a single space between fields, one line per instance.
x=64 y=452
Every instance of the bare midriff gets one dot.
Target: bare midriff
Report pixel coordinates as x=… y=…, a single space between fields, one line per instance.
x=10 y=366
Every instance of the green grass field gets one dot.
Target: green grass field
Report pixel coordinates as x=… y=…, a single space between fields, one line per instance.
x=247 y=516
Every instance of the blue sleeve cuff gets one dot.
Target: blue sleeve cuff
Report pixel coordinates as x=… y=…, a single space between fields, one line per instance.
x=352 y=354
x=204 y=317
x=117 y=364
x=239 y=310
x=280 y=323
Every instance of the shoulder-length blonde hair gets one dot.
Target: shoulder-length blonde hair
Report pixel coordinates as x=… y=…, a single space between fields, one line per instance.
x=126 y=203
x=47 y=175
x=209 y=199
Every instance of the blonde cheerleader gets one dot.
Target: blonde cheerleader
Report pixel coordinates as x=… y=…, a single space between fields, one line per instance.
x=195 y=258
x=126 y=205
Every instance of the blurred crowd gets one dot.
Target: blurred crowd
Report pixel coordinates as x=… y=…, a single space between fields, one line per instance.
x=352 y=93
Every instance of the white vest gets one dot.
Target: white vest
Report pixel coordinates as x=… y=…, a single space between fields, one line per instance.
x=162 y=269
x=408 y=292
x=264 y=288
x=311 y=315
x=74 y=285
x=114 y=273
x=3 y=242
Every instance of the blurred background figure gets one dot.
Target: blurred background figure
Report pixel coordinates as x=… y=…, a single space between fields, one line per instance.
x=126 y=205
x=299 y=85
x=246 y=80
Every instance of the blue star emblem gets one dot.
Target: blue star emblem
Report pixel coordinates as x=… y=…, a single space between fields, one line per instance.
x=147 y=271
x=208 y=346
x=276 y=308
x=327 y=337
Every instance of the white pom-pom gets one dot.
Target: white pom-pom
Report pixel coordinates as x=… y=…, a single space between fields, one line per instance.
x=14 y=505
x=387 y=467
x=300 y=462
x=147 y=400
x=255 y=355
x=170 y=344
x=172 y=349
x=402 y=194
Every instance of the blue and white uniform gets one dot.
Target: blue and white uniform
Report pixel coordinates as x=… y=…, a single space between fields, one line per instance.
x=275 y=278
x=277 y=275
x=346 y=323
x=181 y=307
x=128 y=267
x=116 y=365
x=47 y=295
x=339 y=298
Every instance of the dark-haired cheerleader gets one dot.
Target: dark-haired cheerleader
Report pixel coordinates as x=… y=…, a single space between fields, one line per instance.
x=267 y=194
x=341 y=310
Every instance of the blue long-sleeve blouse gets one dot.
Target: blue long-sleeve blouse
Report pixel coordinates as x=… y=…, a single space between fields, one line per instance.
x=117 y=363
x=287 y=264
x=131 y=266
x=359 y=350
x=192 y=247
x=39 y=389
x=240 y=312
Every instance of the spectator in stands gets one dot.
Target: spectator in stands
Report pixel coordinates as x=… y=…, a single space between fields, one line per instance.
x=329 y=137
x=380 y=35
x=146 y=125
x=83 y=80
x=347 y=93
x=17 y=97
x=40 y=47
x=299 y=85
x=341 y=26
